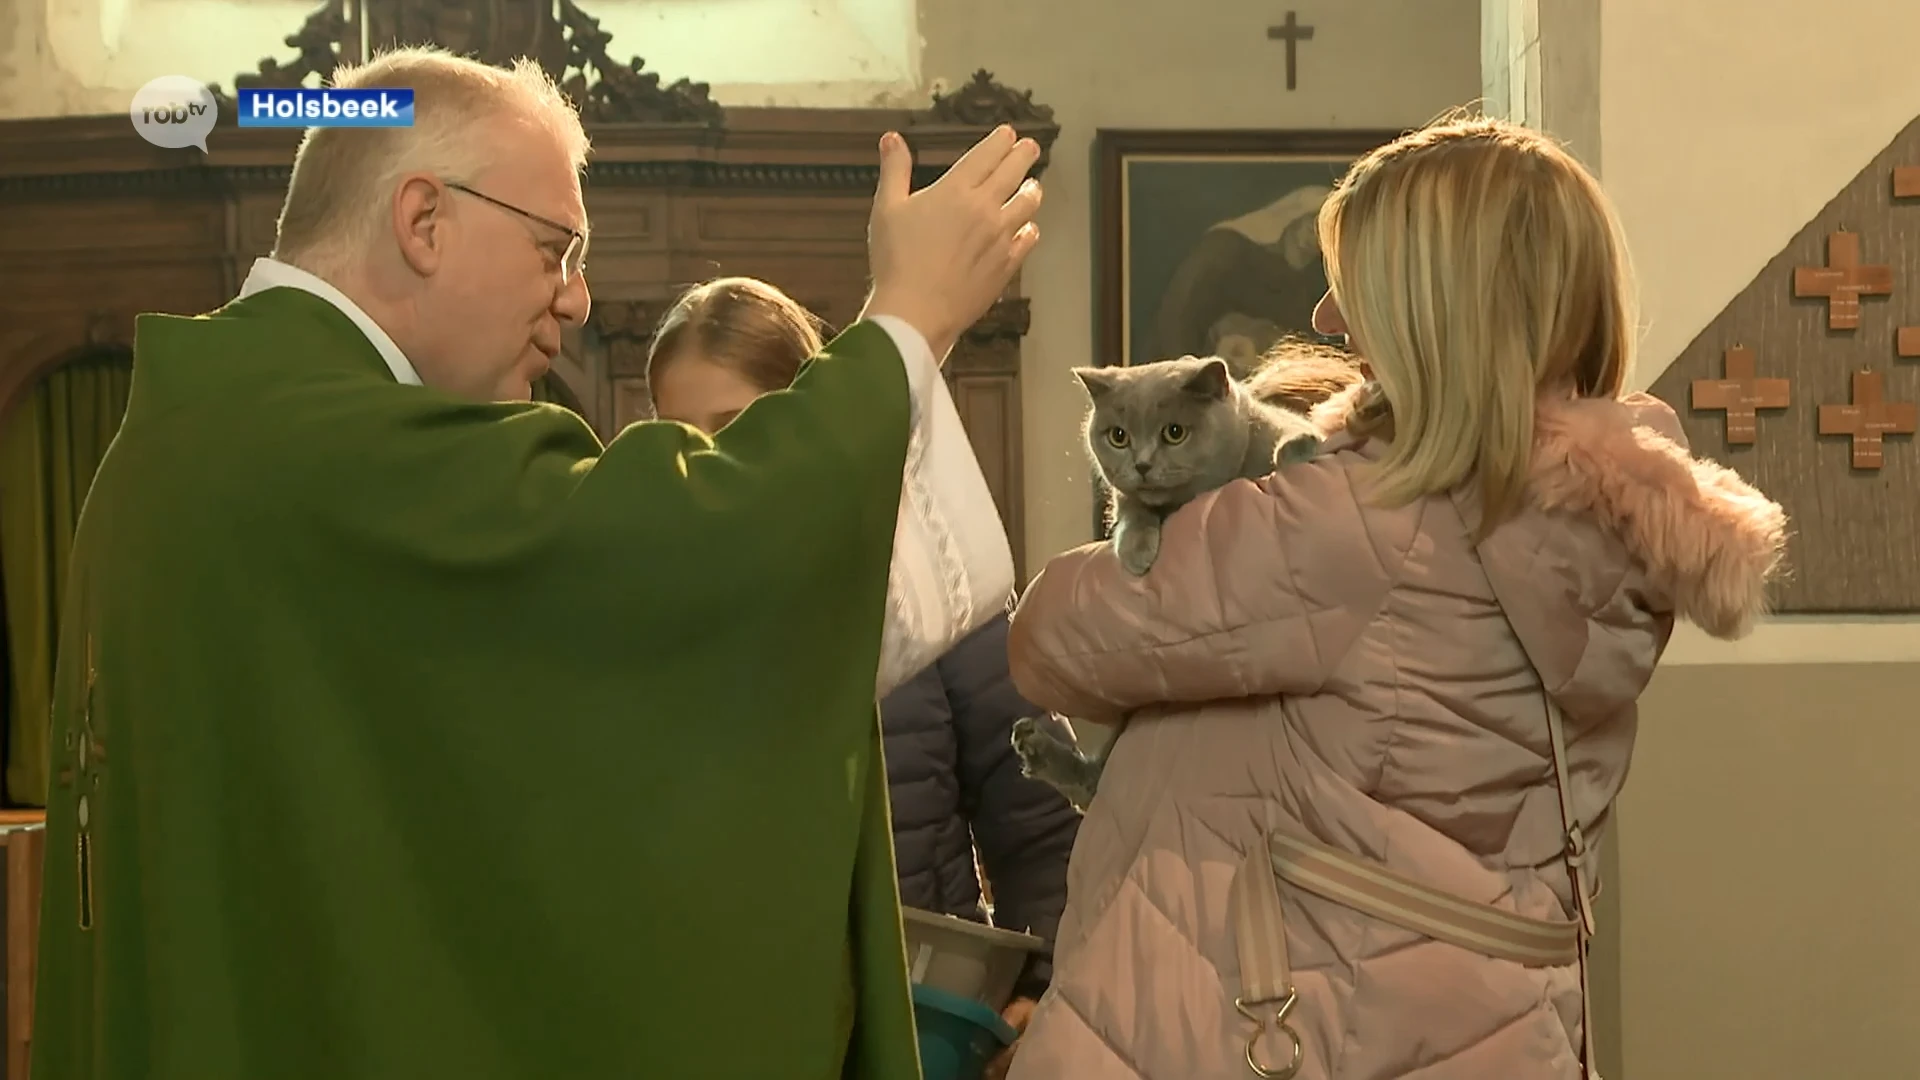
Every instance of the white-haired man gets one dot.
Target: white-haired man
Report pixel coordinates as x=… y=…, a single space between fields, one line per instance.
x=446 y=741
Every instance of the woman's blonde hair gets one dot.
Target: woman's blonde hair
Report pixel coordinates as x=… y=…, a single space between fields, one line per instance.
x=1478 y=267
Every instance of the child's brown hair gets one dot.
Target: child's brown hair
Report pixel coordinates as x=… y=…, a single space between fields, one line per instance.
x=743 y=324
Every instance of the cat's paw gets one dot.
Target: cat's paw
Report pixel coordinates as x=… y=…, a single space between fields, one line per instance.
x=1032 y=744
x=1137 y=548
x=1055 y=761
x=1299 y=448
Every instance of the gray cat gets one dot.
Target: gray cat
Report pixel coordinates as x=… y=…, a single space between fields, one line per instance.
x=1161 y=434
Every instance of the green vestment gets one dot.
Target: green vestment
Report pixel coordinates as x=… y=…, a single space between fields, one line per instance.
x=397 y=736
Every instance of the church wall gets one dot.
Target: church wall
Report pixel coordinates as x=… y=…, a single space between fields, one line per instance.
x=1152 y=64
x=1756 y=901
x=1728 y=124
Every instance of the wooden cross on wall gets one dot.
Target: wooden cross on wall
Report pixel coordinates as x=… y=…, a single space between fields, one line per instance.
x=1843 y=281
x=1740 y=394
x=1869 y=419
x=1293 y=34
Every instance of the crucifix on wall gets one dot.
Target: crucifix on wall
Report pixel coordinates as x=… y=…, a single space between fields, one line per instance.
x=1293 y=34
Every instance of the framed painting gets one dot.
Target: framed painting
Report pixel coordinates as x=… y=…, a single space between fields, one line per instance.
x=1206 y=242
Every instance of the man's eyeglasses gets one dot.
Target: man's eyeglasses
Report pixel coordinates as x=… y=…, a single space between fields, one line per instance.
x=573 y=261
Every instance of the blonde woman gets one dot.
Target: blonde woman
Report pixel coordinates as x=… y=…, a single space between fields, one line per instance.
x=1382 y=702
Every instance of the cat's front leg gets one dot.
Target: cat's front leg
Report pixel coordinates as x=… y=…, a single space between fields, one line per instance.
x=1056 y=759
x=1136 y=537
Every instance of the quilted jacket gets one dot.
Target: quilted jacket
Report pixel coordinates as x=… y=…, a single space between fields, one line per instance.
x=955 y=785
x=1300 y=659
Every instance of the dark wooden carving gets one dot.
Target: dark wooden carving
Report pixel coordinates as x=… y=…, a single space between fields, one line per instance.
x=626 y=327
x=318 y=41
x=624 y=92
x=984 y=103
x=1837 y=455
x=565 y=40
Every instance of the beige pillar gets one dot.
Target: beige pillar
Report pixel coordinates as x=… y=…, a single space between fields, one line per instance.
x=1510 y=60
x=1540 y=66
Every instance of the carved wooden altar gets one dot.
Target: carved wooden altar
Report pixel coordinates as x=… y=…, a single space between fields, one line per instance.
x=97 y=226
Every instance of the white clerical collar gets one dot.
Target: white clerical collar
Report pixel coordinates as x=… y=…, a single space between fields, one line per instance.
x=274 y=274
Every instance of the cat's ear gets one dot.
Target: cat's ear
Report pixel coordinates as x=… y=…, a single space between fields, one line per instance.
x=1095 y=381
x=1211 y=380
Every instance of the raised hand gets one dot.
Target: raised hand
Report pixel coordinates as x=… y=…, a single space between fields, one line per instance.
x=942 y=255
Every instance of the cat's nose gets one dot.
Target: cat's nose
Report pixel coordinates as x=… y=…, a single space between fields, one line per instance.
x=1143 y=468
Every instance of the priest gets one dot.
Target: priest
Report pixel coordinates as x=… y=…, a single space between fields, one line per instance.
x=405 y=730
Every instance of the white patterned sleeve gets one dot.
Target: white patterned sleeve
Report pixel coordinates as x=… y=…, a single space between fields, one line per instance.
x=952 y=567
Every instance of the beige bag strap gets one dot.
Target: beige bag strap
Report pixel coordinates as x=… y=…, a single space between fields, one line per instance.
x=1578 y=856
x=1266 y=975
x=1358 y=883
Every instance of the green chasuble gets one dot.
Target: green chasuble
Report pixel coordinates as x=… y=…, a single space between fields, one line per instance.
x=397 y=736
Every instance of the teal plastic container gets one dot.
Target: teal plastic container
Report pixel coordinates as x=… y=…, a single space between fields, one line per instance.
x=958 y=1036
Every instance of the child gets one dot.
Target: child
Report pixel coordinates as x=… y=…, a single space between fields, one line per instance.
x=1381 y=702
x=954 y=782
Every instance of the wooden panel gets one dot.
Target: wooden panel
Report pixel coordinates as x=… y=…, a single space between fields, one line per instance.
x=989 y=407
x=180 y=225
x=631 y=402
x=1854 y=537
x=181 y=283
x=257 y=220
x=25 y=851
x=630 y=218
x=761 y=223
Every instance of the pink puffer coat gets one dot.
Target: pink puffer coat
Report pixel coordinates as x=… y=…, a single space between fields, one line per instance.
x=1301 y=660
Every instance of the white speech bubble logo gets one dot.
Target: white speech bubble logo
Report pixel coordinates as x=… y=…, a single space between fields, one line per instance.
x=174 y=111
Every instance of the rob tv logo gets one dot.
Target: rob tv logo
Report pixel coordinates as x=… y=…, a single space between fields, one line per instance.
x=174 y=111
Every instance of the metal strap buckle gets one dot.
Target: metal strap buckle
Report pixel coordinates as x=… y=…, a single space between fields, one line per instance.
x=1279 y=1021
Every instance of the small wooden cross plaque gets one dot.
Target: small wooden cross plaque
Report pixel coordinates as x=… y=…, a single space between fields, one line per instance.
x=1843 y=281
x=1740 y=394
x=1869 y=419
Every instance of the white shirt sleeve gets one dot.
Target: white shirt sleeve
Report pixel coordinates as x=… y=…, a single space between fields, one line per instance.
x=952 y=568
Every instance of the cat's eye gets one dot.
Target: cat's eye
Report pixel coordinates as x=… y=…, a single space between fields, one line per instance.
x=1117 y=438
x=1174 y=434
